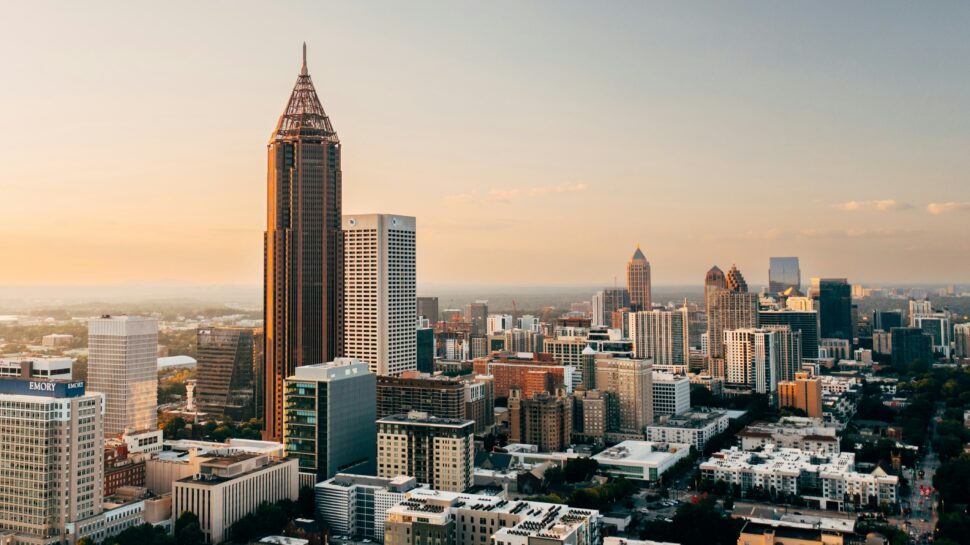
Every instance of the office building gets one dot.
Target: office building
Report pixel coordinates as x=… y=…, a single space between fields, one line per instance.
x=729 y=310
x=911 y=345
x=671 y=394
x=735 y=280
x=714 y=280
x=439 y=452
x=937 y=326
x=57 y=340
x=123 y=365
x=497 y=323
x=784 y=274
x=566 y=349
x=882 y=342
x=751 y=359
x=429 y=517
x=303 y=249
x=804 y=322
x=802 y=393
x=694 y=428
x=227 y=488
x=961 y=338
x=833 y=480
x=641 y=460
x=834 y=299
x=440 y=396
x=533 y=372
x=887 y=319
x=36 y=367
x=229 y=372
x=51 y=458
x=605 y=302
x=789 y=350
x=784 y=532
x=356 y=505
x=542 y=419
x=918 y=307
x=428 y=308
x=424 y=349
x=477 y=315
x=638 y=282
x=378 y=294
x=330 y=414
x=630 y=383
x=661 y=336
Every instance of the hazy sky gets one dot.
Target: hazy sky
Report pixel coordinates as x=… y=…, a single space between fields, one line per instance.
x=536 y=142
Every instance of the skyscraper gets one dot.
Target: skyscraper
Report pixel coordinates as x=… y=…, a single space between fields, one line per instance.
x=303 y=258
x=783 y=273
x=735 y=280
x=751 y=359
x=730 y=307
x=606 y=302
x=379 y=283
x=330 y=414
x=228 y=372
x=887 y=319
x=123 y=365
x=834 y=297
x=477 y=314
x=714 y=280
x=428 y=307
x=630 y=385
x=638 y=282
x=801 y=321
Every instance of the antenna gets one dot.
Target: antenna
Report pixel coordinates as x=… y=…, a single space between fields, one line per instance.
x=303 y=70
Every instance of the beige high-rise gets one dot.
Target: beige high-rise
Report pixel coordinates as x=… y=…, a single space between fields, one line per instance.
x=630 y=381
x=123 y=365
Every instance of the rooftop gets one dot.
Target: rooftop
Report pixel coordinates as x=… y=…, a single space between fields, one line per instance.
x=640 y=451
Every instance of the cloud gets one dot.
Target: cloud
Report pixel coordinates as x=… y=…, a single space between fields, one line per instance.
x=508 y=195
x=938 y=208
x=882 y=205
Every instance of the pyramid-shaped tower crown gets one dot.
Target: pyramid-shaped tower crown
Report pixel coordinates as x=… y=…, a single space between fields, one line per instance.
x=304 y=115
x=638 y=255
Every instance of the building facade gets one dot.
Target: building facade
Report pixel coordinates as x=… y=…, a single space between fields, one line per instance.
x=638 y=282
x=123 y=365
x=671 y=394
x=630 y=383
x=440 y=396
x=804 y=393
x=439 y=452
x=229 y=370
x=329 y=419
x=544 y=420
x=303 y=250
x=661 y=336
x=784 y=273
x=379 y=292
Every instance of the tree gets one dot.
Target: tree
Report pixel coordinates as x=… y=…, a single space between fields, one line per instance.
x=188 y=531
x=306 y=503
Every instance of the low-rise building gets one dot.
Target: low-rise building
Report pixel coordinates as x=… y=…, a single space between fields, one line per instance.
x=641 y=460
x=447 y=518
x=228 y=488
x=809 y=434
x=671 y=394
x=828 y=480
x=694 y=428
x=356 y=505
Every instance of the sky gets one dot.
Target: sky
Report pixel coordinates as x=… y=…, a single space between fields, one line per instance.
x=535 y=142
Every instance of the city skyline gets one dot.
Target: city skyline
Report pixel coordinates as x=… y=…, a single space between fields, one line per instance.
x=467 y=134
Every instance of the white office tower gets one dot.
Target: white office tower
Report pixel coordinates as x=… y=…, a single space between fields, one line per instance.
x=661 y=336
x=529 y=322
x=498 y=322
x=379 y=292
x=751 y=359
x=52 y=460
x=123 y=365
x=671 y=394
x=918 y=308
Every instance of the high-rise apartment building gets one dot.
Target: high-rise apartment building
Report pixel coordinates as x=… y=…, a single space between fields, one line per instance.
x=439 y=452
x=804 y=322
x=783 y=274
x=303 y=246
x=630 y=382
x=498 y=323
x=661 y=336
x=123 y=365
x=729 y=309
x=542 y=419
x=751 y=359
x=330 y=414
x=638 y=282
x=440 y=396
x=834 y=299
x=51 y=457
x=789 y=350
x=229 y=372
x=802 y=392
x=379 y=285
x=605 y=302
x=961 y=340
x=428 y=308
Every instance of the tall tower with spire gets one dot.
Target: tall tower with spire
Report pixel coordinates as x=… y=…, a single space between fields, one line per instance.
x=303 y=257
x=638 y=281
